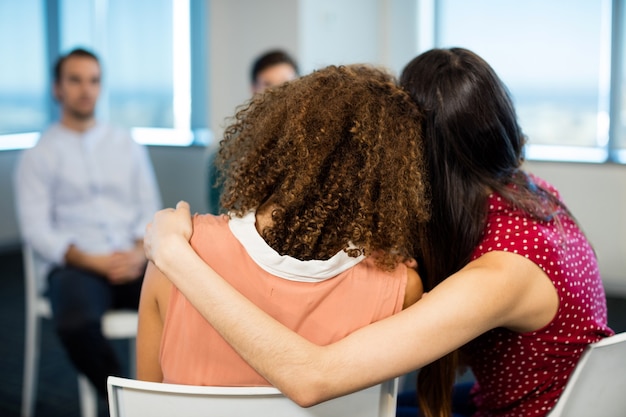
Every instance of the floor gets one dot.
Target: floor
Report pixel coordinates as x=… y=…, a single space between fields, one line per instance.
x=57 y=393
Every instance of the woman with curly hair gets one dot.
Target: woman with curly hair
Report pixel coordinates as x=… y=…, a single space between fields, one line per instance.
x=512 y=282
x=324 y=188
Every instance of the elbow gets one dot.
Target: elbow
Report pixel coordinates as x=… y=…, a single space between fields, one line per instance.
x=307 y=395
x=309 y=379
x=306 y=399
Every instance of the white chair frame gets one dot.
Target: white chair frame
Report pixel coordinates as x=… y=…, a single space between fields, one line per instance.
x=597 y=387
x=133 y=398
x=116 y=324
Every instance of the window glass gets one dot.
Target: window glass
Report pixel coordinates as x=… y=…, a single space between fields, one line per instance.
x=140 y=63
x=77 y=25
x=146 y=55
x=24 y=92
x=134 y=41
x=620 y=85
x=554 y=58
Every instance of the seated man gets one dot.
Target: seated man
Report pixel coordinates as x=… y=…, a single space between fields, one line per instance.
x=84 y=195
x=270 y=69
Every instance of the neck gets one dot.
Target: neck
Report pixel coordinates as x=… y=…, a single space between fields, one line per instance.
x=264 y=217
x=78 y=124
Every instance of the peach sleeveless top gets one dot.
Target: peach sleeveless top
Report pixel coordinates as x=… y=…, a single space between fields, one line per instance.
x=321 y=300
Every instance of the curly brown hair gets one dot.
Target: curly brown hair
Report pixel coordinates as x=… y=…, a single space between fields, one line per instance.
x=337 y=154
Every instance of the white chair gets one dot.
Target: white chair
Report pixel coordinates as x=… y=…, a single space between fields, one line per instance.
x=118 y=324
x=133 y=398
x=597 y=386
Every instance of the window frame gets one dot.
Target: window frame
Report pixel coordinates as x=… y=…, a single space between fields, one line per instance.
x=193 y=119
x=610 y=84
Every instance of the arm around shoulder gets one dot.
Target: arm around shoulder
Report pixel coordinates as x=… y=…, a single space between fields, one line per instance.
x=492 y=291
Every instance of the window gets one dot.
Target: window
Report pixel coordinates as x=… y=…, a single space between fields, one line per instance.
x=618 y=103
x=137 y=57
x=24 y=93
x=555 y=59
x=146 y=55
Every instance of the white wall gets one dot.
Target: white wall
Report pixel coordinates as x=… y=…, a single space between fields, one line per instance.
x=239 y=30
x=351 y=31
x=339 y=32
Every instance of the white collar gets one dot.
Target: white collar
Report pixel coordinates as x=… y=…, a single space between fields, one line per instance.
x=244 y=230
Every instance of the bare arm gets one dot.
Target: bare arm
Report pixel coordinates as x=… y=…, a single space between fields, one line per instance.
x=153 y=304
x=495 y=290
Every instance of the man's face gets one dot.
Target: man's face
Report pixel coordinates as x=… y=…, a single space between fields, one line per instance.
x=273 y=76
x=78 y=87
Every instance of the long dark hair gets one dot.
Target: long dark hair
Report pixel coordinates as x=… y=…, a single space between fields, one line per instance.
x=473 y=145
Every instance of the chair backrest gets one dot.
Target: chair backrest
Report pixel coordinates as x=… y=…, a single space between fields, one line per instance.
x=36 y=303
x=133 y=398
x=597 y=386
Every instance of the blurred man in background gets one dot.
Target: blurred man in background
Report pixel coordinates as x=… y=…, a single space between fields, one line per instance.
x=269 y=69
x=84 y=195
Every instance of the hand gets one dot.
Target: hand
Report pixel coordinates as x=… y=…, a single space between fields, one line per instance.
x=125 y=267
x=117 y=267
x=167 y=225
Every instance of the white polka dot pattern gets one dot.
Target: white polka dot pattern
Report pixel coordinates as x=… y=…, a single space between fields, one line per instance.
x=523 y=374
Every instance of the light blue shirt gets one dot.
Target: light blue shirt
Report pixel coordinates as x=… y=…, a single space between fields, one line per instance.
x=94 y=189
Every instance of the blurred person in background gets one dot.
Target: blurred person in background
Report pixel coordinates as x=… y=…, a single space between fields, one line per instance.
x=84 y=194
x=269 y=69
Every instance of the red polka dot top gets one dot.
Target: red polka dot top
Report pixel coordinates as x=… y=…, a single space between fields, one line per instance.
x=523 y=374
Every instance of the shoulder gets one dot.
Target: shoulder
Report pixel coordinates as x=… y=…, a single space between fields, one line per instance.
x=51 y=145
x=54 y=137
x=114 y=134
x=114 y=130
x=544 y=184
x=414 y=287
x=402 y=279
x=208 y=228
x=209 y=220
x=53 y=131
x=508 y=229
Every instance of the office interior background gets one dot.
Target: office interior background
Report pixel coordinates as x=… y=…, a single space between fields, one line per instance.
x=175 y=70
